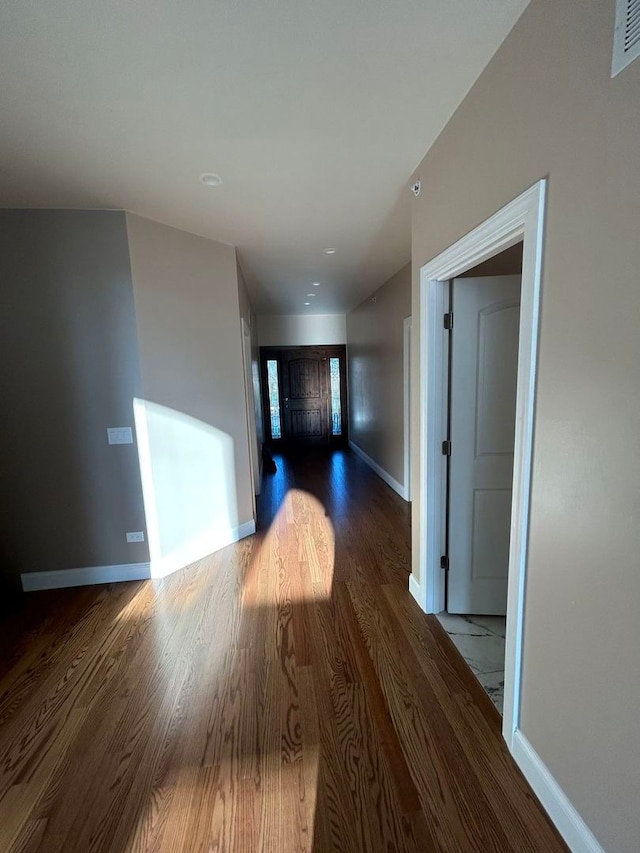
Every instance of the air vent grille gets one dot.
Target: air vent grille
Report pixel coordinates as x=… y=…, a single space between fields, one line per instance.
x=626 y=39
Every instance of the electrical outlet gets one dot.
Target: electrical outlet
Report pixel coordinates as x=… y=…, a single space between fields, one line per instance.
x=135 y=536
x=119 y=435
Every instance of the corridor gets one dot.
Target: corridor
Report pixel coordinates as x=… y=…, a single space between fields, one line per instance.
x=284 y=694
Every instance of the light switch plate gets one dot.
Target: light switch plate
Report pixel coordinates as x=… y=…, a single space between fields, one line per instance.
x=135 y=536
x=119 y=435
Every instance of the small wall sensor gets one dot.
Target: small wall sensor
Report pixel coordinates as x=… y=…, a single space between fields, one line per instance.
x=415 y=188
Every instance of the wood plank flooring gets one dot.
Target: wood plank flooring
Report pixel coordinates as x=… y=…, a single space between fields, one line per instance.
x=285 y=694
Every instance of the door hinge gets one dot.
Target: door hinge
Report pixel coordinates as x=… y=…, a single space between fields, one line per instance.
x=446 y=448
x=444 y=562
x=448 y=321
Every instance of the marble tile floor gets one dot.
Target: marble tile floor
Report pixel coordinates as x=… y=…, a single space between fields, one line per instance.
x=480 y=641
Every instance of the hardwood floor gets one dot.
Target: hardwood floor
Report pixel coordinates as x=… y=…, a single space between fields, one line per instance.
x=284 y=694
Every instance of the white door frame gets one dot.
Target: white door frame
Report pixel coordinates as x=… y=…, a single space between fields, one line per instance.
x=254 y=468
x=521 y=219
x=407 y=406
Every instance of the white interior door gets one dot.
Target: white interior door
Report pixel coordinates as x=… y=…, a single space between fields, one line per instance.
x=484 y=367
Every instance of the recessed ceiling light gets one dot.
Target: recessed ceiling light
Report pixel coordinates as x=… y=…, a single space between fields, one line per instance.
x=316 y=284
x=211 y=180
x=329 y=251
x=310 y=294
x=307 y=303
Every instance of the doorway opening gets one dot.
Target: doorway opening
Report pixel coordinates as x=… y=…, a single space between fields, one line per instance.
x=305 y=404
x=520 y=221
x=482 y=335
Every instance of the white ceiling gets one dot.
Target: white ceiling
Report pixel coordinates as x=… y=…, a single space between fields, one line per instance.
x=314 y=114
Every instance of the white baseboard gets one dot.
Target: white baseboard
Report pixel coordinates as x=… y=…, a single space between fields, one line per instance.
x=208 y=543
x=384 y=475
x=570 y=825
x=86 y=576
x=89 y=575
x=244 y=530
x=416 y=590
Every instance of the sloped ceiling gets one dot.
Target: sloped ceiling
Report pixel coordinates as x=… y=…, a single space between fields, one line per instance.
x=313 y=113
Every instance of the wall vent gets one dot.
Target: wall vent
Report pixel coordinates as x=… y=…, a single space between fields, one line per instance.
x=626 y=38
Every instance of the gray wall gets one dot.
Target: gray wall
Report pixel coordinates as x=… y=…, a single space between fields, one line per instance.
x=547 y=106
x=246 y=312
x=375 y=335
x=188 y=319
x=68 y=369
x=296 y=330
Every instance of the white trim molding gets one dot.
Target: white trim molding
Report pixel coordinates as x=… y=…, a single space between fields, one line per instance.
x=252 y=435
x=86 y=576
x=521 y=220
x=406 y=378
x=560 y=809
x=414 y=587
x=210 y=542
x=380 y=471
x=89 y=575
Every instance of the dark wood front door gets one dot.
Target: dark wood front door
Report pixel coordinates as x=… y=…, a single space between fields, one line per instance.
x=305 y=395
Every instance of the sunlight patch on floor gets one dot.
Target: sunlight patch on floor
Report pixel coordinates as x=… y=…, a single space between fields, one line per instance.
x=300 y=534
